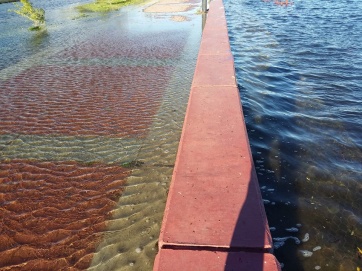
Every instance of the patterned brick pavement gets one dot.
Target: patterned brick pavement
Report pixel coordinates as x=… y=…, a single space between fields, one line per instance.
x=82 y=100
x=112 y=44
x=53 y=214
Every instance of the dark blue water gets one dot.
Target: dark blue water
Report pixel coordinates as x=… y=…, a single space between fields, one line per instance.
x=299 y=71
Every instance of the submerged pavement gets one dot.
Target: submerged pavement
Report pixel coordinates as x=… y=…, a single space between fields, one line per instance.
x=88 y=135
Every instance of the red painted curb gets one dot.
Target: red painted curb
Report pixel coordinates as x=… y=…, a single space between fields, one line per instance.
x=214 y=198
x=184 y=260
x=214 y=217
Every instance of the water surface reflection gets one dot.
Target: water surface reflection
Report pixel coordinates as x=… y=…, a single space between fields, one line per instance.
x=299 y=73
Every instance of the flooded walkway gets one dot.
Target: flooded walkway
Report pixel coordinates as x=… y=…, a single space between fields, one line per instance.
x=89 y=128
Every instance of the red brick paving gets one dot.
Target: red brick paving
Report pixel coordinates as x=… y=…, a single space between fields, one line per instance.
x=52 y=214
x=204 y=260
x=117 y=44
x=82 y=100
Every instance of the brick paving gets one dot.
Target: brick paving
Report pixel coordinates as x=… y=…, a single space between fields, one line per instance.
x=82 y=100
x=53 y=213
x=113 y=44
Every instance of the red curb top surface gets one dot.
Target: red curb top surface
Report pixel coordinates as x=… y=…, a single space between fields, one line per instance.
x=214 y=203
x=214 y=261
x=214 y=70
x=214 y=198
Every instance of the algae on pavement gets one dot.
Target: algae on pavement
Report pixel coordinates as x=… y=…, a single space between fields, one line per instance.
x=106 y=5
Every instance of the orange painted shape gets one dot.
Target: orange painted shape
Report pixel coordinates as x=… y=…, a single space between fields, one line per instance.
x=214 y=198
x=183 y=260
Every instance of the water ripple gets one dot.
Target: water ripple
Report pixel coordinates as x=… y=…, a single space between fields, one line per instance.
x=299 y=75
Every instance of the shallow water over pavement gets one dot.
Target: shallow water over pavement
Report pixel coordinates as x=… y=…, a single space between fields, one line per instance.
x=90 y=119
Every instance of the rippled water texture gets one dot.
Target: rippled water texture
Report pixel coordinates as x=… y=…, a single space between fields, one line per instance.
x=299 y=70
x=91 y=112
